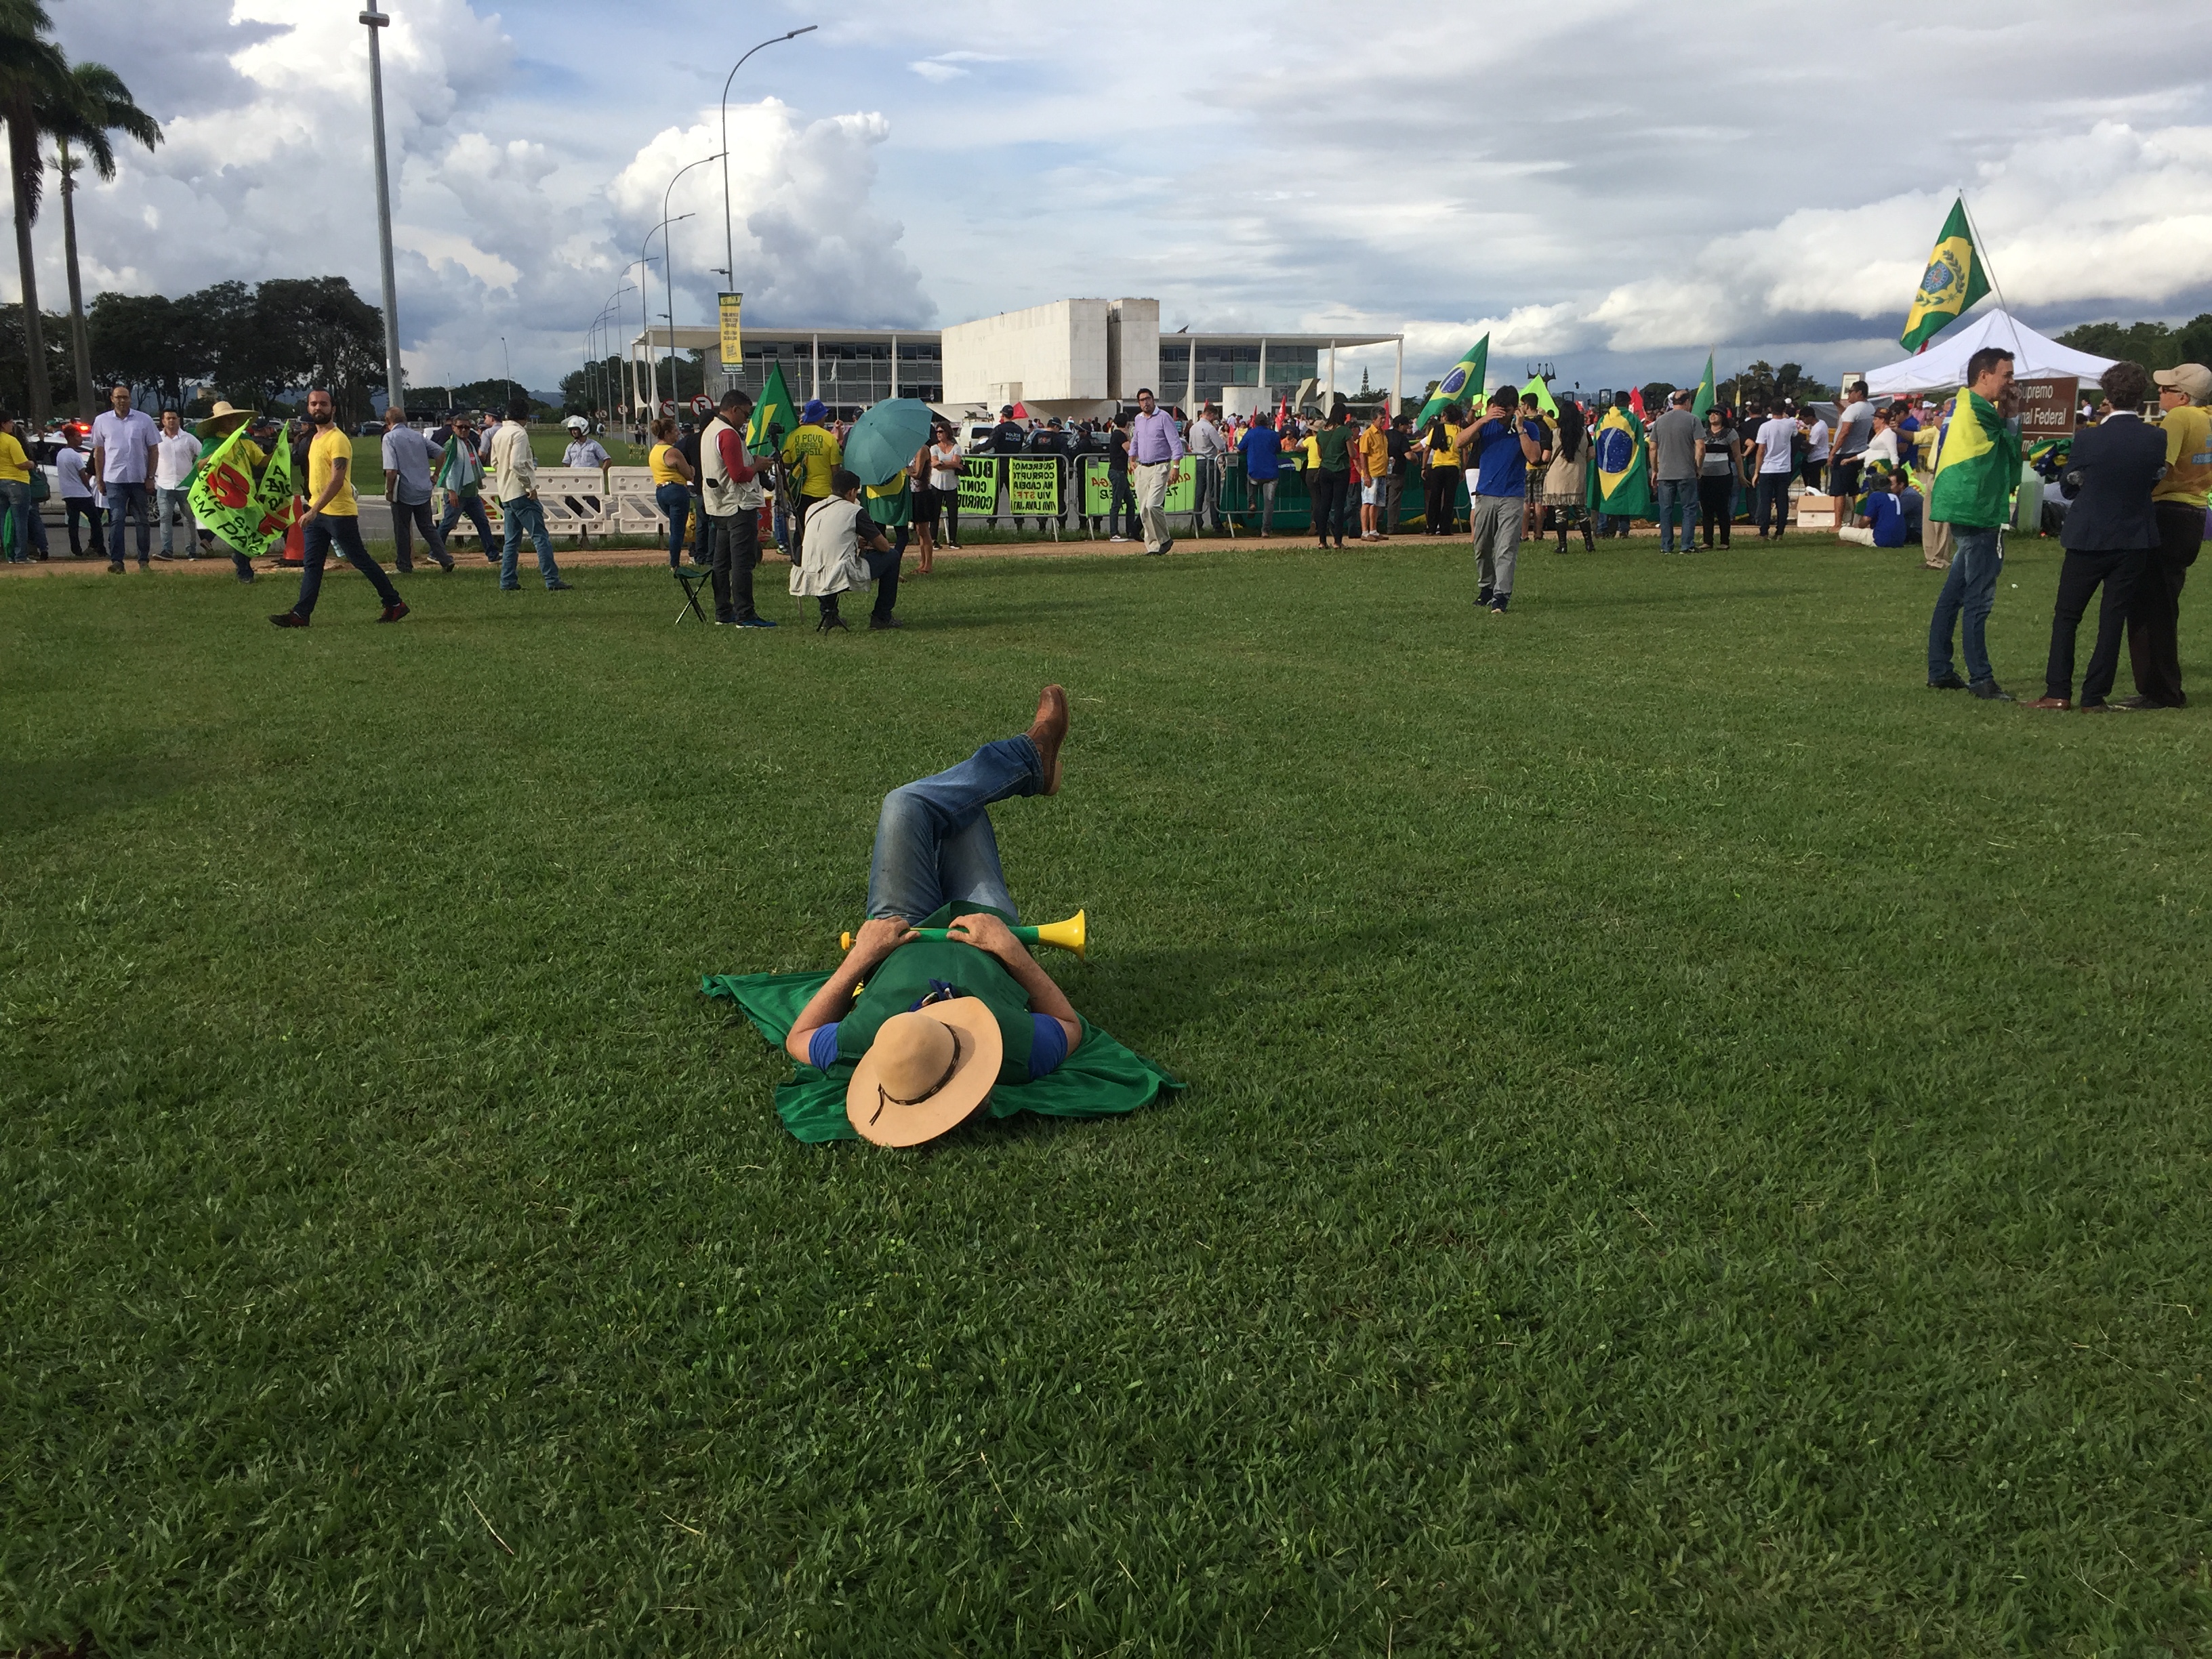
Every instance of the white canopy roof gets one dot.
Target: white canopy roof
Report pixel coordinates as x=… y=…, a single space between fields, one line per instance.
x=1942 y=366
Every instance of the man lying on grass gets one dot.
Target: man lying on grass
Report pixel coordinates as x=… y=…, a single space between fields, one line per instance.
x=940 y=1021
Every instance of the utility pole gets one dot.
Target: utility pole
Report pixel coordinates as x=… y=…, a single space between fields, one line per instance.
x=395 y=385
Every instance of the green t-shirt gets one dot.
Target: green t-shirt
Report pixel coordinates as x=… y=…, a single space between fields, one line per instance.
x=1334 y=445
x=911 y=972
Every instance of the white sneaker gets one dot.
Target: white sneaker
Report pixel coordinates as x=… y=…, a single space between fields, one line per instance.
x=1117 y=538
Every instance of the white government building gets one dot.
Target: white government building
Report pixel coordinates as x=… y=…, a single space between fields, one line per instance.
x=1073 y=358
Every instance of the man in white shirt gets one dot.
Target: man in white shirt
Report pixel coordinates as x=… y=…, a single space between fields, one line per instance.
x=1854 y=431
x=123 y=442
x=1816 y=455
x=1772 y=466
x=1206 y=446
x=176 y=454
x=513 y=478
x=407 y=463
x=77 y=500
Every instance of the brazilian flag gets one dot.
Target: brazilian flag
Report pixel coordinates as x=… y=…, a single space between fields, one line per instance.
x=1707 y=390
x=1955 y=279
x=775 y=417
x=1620 y=478
x=1463 y=386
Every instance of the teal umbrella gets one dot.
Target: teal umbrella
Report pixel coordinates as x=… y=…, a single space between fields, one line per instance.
x=884 y=440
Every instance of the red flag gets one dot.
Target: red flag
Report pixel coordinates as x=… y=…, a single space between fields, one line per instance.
x=1635 y=400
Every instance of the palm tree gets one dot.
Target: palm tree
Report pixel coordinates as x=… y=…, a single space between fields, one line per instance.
x=32 y=72
x=99 y=104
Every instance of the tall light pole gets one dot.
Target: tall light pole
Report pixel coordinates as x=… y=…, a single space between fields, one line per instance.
x=729 y=242
x=668 y=265
x=605 y=312
x=644 y=319
x=506 y=367
x=394 y=388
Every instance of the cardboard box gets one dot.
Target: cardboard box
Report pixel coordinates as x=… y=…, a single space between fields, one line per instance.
x=1818 y=512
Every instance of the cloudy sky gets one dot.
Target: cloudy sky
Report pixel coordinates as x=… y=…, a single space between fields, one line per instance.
x=1612 y=187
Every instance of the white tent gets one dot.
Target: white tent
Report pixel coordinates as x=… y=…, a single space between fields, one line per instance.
x=1942 y=366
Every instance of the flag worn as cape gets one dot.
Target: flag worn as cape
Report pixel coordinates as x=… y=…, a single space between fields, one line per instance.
x=247 y=513
x=1978 y=467
x=774 y=410
x=1955 y=279
x=1544 y=399
x=1463 y=384
x=1101 y=1078
x=1705 y=391
x=1620 y=478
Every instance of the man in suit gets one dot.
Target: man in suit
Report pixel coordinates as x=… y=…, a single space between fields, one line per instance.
x=2110 y=530
x=2154 y=618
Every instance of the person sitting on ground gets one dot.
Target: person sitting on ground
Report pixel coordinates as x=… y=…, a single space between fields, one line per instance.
x=2110 y=528
x=924 y=1028
x=842 y=549
x=1879 y=520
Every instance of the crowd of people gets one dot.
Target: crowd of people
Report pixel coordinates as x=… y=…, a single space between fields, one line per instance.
x=1939 y=474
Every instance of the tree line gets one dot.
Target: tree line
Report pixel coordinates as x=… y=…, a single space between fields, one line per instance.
x=2154 y=345
x=253 y=345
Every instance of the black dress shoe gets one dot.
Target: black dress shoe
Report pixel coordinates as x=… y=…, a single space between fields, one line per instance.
x=1990 y=691
x=1950 y=681
x=289 y=619
x=877 y=624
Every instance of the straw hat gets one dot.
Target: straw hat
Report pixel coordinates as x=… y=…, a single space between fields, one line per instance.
x=929 y=1070
x=222 y=420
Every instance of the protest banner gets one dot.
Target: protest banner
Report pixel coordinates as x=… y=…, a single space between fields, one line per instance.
x=1099 y=490
x=1033 y=485
x=248 y=514
x=734 y=342
x=979 y=484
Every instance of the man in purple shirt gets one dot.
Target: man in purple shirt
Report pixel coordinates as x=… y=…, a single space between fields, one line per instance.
x=1155 y=467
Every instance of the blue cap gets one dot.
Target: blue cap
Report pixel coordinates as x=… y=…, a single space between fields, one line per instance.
x=815 y=410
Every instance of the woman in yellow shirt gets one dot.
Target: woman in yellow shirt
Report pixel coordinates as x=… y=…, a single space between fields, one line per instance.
x=15 y=492
x=1441 y=472
x=671 y=485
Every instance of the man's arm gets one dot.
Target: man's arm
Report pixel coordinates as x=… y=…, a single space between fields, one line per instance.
x=877 y=938
x=987 y=932
x=1758 y=455
x=1531 y=449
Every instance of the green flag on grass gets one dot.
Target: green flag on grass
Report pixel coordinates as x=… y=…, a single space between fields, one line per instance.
x=1704 y=391
x=775 y=417
x=1463 y=384
x=1955 y=279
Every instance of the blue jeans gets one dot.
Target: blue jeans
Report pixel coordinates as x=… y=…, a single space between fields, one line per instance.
x=316 y=538
x=1677 y=500
x=131 y=498
x=16 y=510
x=1971 y=586
x=523 y=514
x=674 y=500
x=174 y=507
x=456 y=505
x=934 y=843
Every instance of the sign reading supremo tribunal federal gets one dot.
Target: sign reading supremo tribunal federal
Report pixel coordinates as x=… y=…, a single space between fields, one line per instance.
x=2047 y=406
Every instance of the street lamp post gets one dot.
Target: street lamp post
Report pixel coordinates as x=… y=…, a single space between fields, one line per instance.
x=607 y=310
x=506 y=367
x=729 y=241
x=394 y=386
x=668 y=263
x=644 y=318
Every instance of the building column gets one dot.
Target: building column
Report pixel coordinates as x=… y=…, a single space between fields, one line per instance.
x=816 y=393
x=1329 y=402
x=1190 y=384
x=1263 y=369
x=894 y=365
x=1398 y=381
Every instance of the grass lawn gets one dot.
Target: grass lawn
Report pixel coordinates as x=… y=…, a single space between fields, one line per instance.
x=1695 y=1142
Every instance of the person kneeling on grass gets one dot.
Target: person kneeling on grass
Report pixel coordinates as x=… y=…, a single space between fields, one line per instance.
x=1879 y=520
x=840 y=547
x=940 y=1021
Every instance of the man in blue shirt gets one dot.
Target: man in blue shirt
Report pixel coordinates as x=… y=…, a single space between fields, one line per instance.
x=1881 y=520
x=1262 y=450
x=1496 y=455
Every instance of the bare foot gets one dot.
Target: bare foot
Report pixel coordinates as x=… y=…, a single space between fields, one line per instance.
x=1048 y=732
